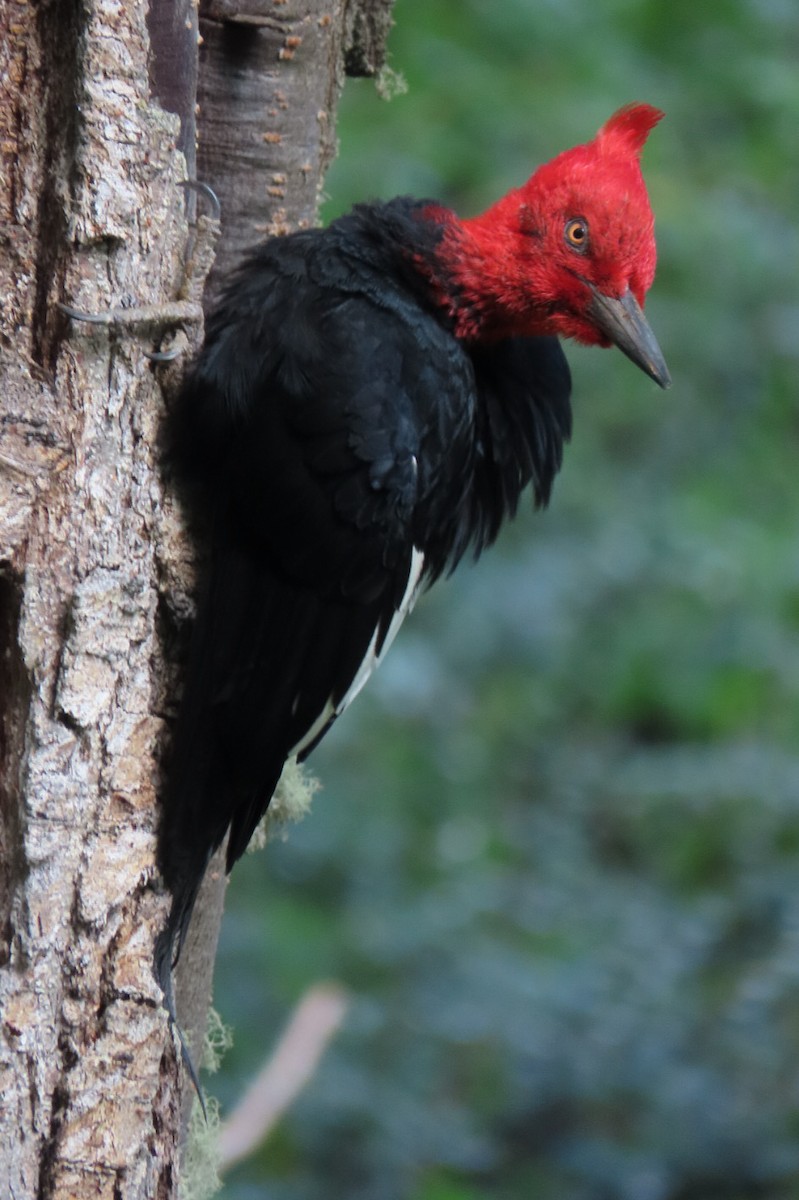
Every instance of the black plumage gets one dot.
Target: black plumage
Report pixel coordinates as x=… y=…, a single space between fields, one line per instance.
x=344 y=449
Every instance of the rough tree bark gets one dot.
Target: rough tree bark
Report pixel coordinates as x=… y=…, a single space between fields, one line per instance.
x=93 y=562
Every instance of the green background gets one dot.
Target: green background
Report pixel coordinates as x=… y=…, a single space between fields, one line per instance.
x=555 y=857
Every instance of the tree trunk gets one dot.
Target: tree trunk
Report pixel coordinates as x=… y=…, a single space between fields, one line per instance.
x=94 y=567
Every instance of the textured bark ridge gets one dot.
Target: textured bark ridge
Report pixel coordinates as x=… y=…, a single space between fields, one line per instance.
x=92 y=215
x=89 y=211
x=94 y=566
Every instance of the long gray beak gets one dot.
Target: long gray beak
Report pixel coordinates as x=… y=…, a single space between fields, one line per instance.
x=623 y=321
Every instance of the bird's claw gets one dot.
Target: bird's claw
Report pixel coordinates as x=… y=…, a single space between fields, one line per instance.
x=163 y=356
x=204 y=189
x=77 y=314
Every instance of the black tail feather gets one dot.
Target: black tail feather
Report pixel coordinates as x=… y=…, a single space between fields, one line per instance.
x=267 y=656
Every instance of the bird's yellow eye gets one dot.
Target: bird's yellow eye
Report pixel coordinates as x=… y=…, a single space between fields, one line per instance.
x=576 y=234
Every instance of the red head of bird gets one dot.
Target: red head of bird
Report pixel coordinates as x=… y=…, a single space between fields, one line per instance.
x=571 y=252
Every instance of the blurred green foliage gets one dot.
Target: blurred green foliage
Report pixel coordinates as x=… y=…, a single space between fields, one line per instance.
x=555 y=858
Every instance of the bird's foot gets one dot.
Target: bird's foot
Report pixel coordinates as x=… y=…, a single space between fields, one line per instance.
x=186 y=309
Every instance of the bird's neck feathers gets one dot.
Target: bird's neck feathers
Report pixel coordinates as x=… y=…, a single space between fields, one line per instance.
x=478 y=278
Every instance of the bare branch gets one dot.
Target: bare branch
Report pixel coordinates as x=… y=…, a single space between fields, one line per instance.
x=291 y=1065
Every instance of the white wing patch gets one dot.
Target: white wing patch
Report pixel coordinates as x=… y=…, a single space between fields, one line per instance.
x=372 y=659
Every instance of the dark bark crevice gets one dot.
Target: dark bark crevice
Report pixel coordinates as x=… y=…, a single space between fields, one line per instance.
x=61 y=31
x=15 y=691
x=173 y=29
